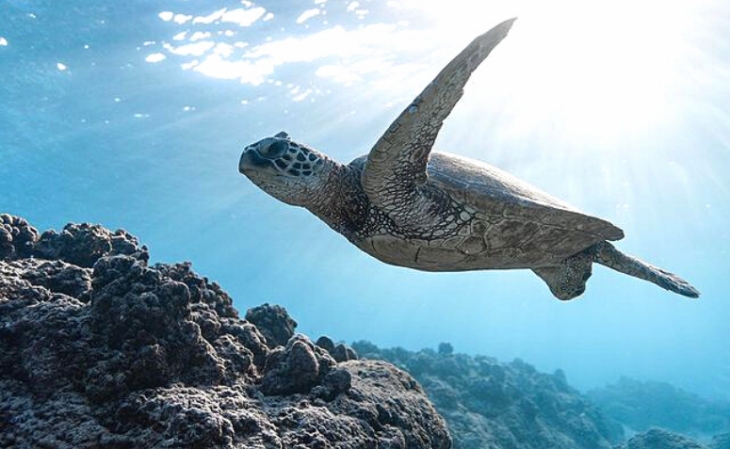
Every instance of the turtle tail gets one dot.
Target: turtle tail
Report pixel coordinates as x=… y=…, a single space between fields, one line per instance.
x=606 y=254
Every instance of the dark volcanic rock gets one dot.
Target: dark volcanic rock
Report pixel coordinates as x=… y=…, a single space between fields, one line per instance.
x=326 y=343
x=296 y=368
x=340 y=351
x=17 y=237
x=643 y=405
x=660 y=439
x=273 y=322
x=84 y=244
x=100 y=350
x=343 y=353
x=490 y=405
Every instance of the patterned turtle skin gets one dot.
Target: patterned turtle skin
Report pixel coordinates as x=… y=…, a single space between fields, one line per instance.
x=408 y=206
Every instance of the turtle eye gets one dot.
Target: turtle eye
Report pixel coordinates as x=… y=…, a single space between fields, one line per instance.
x=275 y=150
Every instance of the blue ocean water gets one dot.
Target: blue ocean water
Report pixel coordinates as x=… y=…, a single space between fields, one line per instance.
x=133 y=114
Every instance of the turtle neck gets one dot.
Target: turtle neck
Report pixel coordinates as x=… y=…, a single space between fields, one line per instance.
x=342 y=203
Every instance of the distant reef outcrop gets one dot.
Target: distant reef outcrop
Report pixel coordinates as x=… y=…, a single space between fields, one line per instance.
x=642 y=405
x=98 y=349
x=662 y=439
x=721 y=441
x=492 y=405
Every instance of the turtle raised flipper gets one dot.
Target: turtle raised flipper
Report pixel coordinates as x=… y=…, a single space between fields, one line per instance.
x=396 y=165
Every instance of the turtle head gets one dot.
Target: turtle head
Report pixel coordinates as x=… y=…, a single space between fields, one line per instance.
x=289 y=171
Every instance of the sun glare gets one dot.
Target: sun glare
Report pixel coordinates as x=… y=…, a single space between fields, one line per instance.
x=588 y=69
x=604 y=67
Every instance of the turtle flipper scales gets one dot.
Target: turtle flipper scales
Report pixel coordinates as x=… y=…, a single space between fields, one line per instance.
x=397 y=163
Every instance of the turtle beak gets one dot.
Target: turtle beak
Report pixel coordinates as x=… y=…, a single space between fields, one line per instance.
x=251 y=160
x=244 y=162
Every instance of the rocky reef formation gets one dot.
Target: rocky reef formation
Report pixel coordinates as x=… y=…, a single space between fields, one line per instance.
x=98 y=349
x=643 y=405
x=660 y=439
x=490 y=405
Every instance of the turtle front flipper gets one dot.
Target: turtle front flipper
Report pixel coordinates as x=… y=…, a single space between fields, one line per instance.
x=396 y=165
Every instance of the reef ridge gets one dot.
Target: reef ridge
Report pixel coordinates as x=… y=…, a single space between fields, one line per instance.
x=492 y=405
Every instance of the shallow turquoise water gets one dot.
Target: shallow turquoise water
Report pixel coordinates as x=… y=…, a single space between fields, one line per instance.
x=133 y=114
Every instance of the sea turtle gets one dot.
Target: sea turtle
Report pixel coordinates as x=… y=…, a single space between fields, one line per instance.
x=407 y=206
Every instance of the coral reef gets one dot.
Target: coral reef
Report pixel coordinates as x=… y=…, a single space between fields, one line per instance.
x=274 y=322
x=642 y=405
x=100 y=350
x=490 y=405
x=660 y=439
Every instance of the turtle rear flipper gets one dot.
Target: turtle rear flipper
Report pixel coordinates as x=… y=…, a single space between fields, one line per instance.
x=606 y=254
x=568 y=280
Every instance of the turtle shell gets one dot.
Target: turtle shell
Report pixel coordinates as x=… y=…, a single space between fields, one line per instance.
x=514 y=224
x=513 y=214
